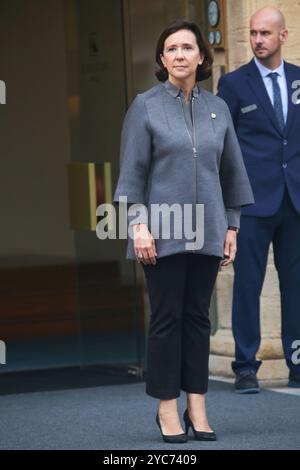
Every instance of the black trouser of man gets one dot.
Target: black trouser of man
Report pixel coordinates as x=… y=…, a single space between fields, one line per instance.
x=180 y=288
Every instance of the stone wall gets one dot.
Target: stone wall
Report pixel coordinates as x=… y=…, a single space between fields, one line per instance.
x=238 y=16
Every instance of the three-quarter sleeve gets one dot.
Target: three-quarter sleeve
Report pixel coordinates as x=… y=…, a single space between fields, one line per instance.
x=135 y=153
x=233 y=216
x=236 y=188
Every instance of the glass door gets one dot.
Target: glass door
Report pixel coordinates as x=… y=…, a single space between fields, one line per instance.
x=110 y=299
x=67 y=299
x=39 y=323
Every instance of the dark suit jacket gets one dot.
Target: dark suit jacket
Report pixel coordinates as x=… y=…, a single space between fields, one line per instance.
x=272 y=157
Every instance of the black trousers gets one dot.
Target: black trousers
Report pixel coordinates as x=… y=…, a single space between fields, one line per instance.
x=180 y=288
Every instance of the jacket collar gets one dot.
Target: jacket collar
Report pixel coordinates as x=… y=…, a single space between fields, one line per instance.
x=174 y=91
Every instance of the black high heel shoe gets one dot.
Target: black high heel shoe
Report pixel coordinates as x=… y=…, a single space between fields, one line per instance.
x=175 y=439
x=199 y=435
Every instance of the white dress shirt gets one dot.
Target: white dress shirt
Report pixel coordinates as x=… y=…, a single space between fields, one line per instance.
x=264 y=71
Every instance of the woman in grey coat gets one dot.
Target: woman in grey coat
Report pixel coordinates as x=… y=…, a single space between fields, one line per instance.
x=182 y=173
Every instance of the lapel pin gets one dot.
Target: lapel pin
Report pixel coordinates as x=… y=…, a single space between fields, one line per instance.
x=213 y=115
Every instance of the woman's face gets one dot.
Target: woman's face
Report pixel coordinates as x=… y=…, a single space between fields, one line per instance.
x=181 y=55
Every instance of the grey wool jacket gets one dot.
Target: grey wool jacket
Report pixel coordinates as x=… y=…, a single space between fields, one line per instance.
x=164 y=160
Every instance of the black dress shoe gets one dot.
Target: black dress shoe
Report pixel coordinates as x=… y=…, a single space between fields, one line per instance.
x=246 y=382
x=175 y=439
x=294 y=380
x=199 y=435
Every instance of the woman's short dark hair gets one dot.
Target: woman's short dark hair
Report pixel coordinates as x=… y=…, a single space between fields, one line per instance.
x=203 y=70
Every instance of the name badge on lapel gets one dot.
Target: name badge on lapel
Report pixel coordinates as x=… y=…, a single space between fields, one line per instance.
x=248 y=109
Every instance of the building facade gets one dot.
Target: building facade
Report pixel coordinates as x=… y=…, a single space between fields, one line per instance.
x=70 y=69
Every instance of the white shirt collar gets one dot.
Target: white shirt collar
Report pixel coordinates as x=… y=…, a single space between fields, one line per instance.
x=264 y=71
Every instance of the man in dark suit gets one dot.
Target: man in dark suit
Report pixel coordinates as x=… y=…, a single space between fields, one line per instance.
x=265 y=107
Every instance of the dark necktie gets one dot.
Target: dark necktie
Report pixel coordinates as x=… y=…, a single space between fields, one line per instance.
x=277 y=100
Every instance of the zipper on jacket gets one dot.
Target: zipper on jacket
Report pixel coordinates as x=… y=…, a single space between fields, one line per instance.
x=193 y=142
x=192 y=139
x=194 y=130
x=194 y=159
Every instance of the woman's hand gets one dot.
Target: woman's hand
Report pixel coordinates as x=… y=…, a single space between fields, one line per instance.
x=229 y=248
x=144 y=244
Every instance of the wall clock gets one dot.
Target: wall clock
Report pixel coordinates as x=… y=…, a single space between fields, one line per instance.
x=211 y=38
x=213 y=13
x=218 y=37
